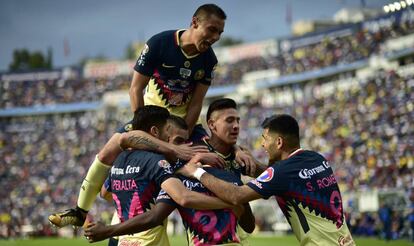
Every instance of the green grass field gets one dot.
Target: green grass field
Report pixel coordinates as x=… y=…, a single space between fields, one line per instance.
x=180 y=240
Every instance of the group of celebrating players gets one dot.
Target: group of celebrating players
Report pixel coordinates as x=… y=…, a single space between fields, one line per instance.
x=164 y=159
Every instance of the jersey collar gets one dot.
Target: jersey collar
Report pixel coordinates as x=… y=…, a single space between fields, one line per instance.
x=295 y=152
x=177 y=35
x=212 y=149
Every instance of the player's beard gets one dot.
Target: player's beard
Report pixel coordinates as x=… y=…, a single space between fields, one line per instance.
x=274 y=158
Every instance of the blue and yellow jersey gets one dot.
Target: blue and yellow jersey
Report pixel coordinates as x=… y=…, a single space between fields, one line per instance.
x=174 y=74
x=306 y=191
x=207 y=227
x=135 y=181
x=230 y=160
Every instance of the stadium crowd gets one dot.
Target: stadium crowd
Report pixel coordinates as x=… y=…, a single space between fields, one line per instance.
x=45 y=158
x=58 y=91
x=330 y=51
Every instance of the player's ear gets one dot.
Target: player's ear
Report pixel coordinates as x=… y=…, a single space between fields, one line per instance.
x=154 y=131
x=210 y=124
x=279 y=142
x=194 y=22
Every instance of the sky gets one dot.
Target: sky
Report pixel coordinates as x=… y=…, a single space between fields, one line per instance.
x=104 y=27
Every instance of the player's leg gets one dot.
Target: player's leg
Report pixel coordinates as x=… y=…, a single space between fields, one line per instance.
x=91 y=185
x=98 y=172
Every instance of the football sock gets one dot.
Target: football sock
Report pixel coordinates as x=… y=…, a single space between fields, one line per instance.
x=92 y=184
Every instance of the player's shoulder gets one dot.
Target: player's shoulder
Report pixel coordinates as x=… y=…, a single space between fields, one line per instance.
x=144 y=155
x=203 y=142
x=154 y=155
x=211 y=55
x=301 y=159
x=164 y=35
x=211 y=52
x=310 y=155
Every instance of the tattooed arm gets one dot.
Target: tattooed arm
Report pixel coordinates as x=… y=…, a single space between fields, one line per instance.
x=139 y=140
x=143 y=140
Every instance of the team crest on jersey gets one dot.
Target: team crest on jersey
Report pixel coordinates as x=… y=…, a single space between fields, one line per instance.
x=199 y=74
x=267 y=175
x=187 y=64
x=165 y=165
x=185 y=73
x=128 y=127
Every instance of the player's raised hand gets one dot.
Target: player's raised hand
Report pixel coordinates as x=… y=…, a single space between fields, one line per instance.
x=211 y=159
x=95 y=232
x=200 y=149
x=245 y=159
x=187 y=151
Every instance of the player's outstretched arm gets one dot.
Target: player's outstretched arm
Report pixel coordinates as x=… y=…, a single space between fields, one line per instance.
x=196 y=103
x=95 y=232
x=136 y=91
x=190 y=199
x=228 y=192
x=142 y=140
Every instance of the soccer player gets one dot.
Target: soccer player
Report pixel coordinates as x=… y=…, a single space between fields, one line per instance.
x=177 y=134
x=204 y=227
x=301 y=180
x=175 y=68
x=137 y=177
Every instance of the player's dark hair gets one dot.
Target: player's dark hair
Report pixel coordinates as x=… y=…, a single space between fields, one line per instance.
x=285 y=125
x=210 y=9
x=219 y=104
x=149 y=116
x=178 y=122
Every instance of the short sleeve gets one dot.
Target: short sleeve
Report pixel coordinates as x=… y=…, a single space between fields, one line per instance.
x=165 y=198
x=178 y=164
x=161 y=171
x=271 y=182
x=149 y=56
x=125 y=128
x=107 y=184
